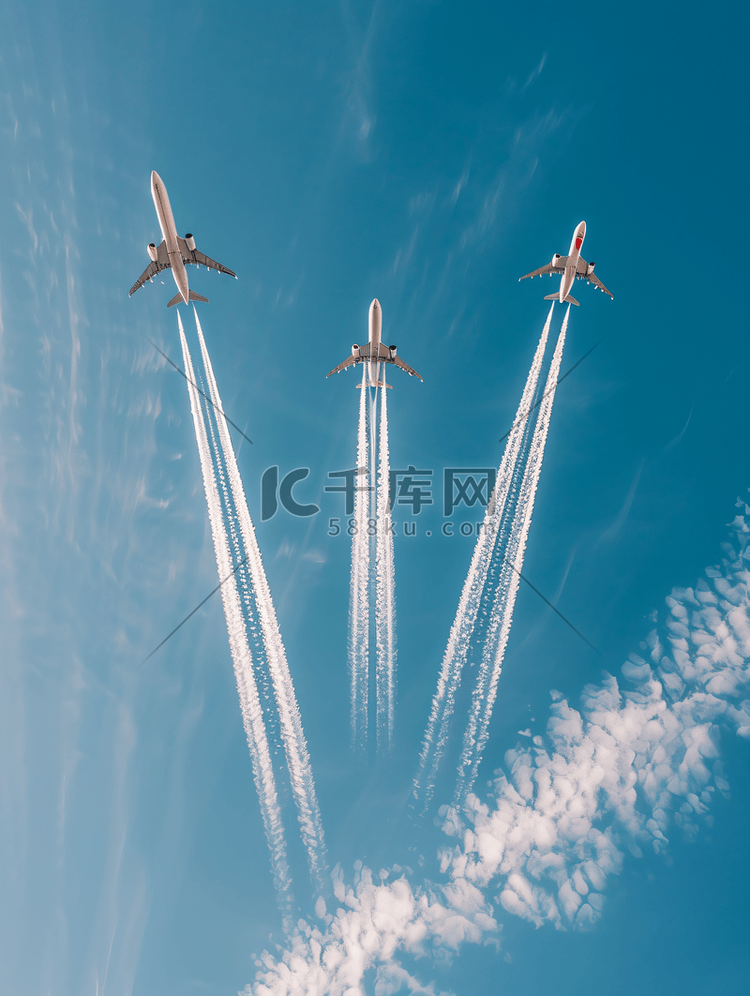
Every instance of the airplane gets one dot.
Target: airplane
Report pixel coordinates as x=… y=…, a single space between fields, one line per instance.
x=569 y=267
x=374 y=353
x=173 y=252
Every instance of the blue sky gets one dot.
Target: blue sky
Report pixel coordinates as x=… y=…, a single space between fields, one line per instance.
x=427 y=154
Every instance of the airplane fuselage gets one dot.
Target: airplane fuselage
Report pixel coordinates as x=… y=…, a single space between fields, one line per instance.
x=375 y=329
x=375 y=355
x=169 y=234
x=568 y=278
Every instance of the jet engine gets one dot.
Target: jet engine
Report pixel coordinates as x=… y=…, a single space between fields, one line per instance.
x=189 y=241
x=355 y=351
x=556 y=258
x=392 y=350
x=590 y=268
x=152 y=251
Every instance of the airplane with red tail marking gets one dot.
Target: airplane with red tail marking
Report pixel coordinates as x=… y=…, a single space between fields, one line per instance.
x=570 y=267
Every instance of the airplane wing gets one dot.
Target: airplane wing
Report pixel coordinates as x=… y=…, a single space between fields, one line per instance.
x=549 y=268
x=347 y=363
x=405 y=366
x=161 y=263
x=597 y=283
x=197 y=257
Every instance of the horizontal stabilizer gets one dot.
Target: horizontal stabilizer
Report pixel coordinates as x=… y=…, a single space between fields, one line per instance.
x=556 y=297
x=175 y=300
x=380 y=383
x=199 y=297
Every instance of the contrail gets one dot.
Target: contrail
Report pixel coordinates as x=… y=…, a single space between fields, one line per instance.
x=359 y=603
x=259 y=594
x=182 y=374
x=567 y=373
x=443 y=703
x=385 y=603
x=372 y=595
x=200 y=606
x=250 y=705
x=505 y=590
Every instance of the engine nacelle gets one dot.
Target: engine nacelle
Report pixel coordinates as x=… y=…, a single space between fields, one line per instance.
x=355 y=351
x=392 y=350
x=151 y=248
x=556 y=259
x=590 y=268
x=190 y=241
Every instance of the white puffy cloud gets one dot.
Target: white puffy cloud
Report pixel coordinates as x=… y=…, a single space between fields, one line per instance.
x=639 y=757
x=375 y=921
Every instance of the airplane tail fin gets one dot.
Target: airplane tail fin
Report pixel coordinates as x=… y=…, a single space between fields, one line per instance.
x=556 y=297
x=191 y=295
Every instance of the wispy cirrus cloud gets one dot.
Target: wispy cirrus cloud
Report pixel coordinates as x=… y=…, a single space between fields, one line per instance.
x=81 y=547
x=611 y=531
x=359 y=116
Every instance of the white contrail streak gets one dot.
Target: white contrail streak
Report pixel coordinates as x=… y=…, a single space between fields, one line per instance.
x=443 y=703
x=292 y=734
x=252 y=713
x=505 y=591
x=385 y=603
x=359 y=604
x=372 y=579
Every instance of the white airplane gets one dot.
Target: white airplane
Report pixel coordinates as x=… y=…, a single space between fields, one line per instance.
x=173 y=252
x=569 y=267
x=374 y=352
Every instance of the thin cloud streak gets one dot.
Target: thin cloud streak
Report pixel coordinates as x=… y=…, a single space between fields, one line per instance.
x=619 y=522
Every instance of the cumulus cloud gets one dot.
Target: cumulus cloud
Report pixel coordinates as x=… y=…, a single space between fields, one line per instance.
x=637 y=760
x=376 y=919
